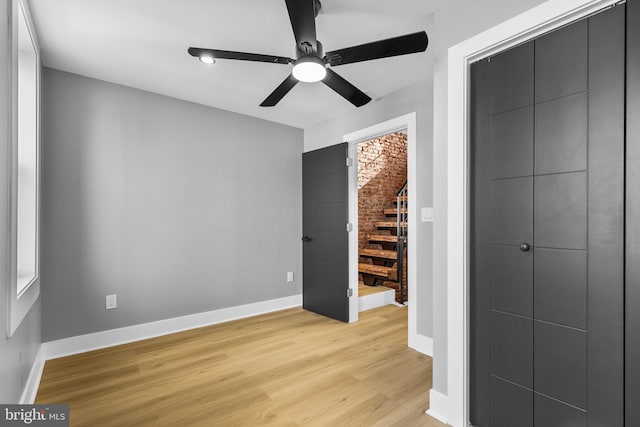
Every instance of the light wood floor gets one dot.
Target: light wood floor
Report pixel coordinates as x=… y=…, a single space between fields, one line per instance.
x=364 y=290
x=289 y=368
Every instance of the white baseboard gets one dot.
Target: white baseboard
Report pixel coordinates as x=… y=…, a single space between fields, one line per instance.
x=33 y=381
x=421 y=343
x=98 y=340
x=438 y=406
x=95 y=341
x=379 y=299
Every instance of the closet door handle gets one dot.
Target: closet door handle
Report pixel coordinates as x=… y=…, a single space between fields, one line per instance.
x=524 y=247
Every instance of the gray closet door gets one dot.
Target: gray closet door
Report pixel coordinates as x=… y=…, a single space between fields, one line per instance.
x=632 y=229
x=547 y=229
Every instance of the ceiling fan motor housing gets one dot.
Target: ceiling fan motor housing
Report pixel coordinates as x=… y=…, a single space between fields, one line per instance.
x=306 y=49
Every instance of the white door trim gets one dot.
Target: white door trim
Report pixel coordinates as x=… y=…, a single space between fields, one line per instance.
x=528 y=25
x=408 y=122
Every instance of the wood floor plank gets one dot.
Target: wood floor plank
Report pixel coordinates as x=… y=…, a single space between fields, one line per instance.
x=288 y=368
x=364 y=290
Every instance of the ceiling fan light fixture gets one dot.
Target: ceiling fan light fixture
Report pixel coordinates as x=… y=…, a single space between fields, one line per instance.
x=206 y=58
x=309 y=69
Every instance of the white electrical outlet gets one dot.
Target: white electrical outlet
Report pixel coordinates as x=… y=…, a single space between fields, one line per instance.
x=112 y=301
x=289 y=276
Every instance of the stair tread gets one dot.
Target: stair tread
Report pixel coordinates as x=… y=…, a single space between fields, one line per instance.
x=394 y=211
x=379 y=253
x=389 y=224
x=383 y=238
x=377 y=270
x=402 y=199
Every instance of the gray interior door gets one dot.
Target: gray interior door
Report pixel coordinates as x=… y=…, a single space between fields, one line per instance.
x=547 y=229
x=325 y=211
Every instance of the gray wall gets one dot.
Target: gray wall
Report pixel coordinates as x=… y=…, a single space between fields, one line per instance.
x=418 y=98
x=175 y=207
x=18 y=352
x=450 y=28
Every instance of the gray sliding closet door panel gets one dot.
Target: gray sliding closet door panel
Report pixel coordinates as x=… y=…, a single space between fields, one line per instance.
x=481 y=388
x=502 y=198
x=547 y=229
x=632 y=321
x=605 y=316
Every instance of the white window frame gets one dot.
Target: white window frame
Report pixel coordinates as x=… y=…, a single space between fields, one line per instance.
x=23 y=291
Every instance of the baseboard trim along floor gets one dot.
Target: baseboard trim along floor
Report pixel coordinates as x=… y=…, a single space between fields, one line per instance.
x=378 y=299
x=95 y=341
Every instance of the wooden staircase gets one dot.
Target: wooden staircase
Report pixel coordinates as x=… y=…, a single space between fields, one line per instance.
x=385 y=265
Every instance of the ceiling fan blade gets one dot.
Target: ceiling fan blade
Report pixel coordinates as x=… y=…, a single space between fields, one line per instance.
x=303 y=22
x=243 y=56
x=280 y=92
x=402 y=45
x=346 y=89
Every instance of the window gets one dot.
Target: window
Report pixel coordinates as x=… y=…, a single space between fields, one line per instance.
x=25 y=286
x=27 y=203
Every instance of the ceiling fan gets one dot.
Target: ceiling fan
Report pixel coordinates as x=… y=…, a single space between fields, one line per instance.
x=311 y=65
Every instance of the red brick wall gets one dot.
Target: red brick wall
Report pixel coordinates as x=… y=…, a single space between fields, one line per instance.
x=382 y=170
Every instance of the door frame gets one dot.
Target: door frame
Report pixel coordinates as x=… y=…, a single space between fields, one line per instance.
x=526 y=26
x=406 y=122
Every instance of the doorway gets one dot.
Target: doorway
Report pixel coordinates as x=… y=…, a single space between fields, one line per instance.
x=406 y=122
x=382 y=220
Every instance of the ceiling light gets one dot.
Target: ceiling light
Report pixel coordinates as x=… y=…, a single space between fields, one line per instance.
x=206 y=59
x=309 y=69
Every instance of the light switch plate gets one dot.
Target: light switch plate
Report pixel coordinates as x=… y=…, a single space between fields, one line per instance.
x=289 y=276
x=426 y=214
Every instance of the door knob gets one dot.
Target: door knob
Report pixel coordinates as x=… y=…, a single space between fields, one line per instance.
x=306 y=239
x=524 y=247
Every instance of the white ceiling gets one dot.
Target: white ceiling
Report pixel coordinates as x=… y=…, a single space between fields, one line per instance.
x=143 y=44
